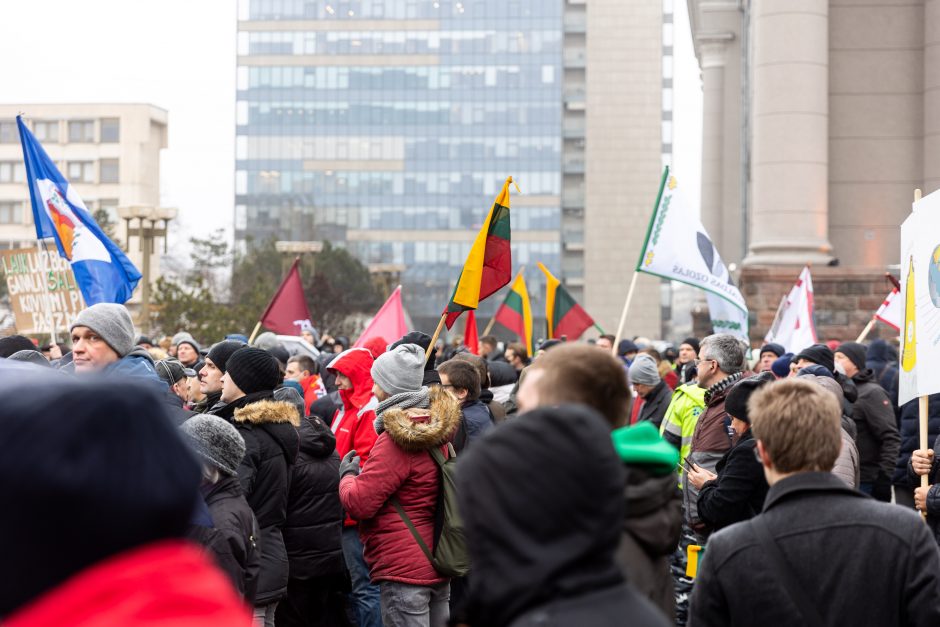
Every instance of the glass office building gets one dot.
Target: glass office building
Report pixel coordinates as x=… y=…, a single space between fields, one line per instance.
x=389 y=126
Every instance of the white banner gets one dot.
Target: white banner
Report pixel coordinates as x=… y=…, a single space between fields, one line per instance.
x=678 y=248
x=793 y=327
x=891 y=311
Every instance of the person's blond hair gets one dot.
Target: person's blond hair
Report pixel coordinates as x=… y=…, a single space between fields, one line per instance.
x=799 y=424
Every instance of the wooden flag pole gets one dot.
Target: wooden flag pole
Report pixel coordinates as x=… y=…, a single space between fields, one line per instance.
x=868 y=327
x=437 y=333
x=922 y=405
x=623 y=314
x=489 y=326
x=254 y=333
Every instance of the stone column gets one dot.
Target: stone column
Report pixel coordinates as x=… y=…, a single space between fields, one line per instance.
x=712 y=62
x=789 y=207
x=931 y=96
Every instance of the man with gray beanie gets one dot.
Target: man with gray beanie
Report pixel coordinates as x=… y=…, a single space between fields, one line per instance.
x=653 y=392
x=103 y=341
x=411 y=421
x=233 y=538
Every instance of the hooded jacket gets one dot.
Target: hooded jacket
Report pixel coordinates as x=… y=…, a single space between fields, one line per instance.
x=739 y=491
x=543 y=508
x=314 y=526
x=271 y=445
x=878 y=440
x=401 y=468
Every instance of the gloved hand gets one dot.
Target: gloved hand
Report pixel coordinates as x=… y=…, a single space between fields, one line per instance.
x=881 y=490
x=349 y=465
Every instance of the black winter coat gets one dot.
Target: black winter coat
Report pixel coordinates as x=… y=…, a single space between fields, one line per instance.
x=271 y=445
x=740 y=489
x=910 y=437
x=827 y=532
x=883 y=361
x=878 y=440
x=933 y=478
x=233 y=538
x=314 y=527
x=655 y=404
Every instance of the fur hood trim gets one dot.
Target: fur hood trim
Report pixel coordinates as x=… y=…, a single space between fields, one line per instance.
x=434 y=428
x=267 y=412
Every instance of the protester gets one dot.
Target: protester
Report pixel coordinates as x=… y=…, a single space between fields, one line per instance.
x=210 y=376
x=271 y=440
x=736 y=490
x=313 y=530
x=174 y=374
x=376 y=346
x=653 y=392
x=781 y=366
x=685 y=363
x=548 y=561
x=517 y=357
x=788 y=565
x=462 y=380
x=882 y=358
x=306 y=371
x=30 y=356
x=626 y=351
x=233 y=537
x=489 y=349
x=353 y=426
x=769 y=353
x=846 y=466
x=411 y=420
x=878 y=440
x=15 y=343
x=605 y=342
x=99 y=509
x=910 y=442
x=666 y=372
x=103 y=341
x=187 y=349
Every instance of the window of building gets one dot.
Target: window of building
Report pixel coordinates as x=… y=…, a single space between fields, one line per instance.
x=8 y=133
x=110 y=170
x=46 y=131
x=110 y=130
x=12 y=172
x=82 y=131
x=10 y=212
x=81 y=171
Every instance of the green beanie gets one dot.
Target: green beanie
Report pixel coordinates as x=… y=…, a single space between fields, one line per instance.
x=641 y=445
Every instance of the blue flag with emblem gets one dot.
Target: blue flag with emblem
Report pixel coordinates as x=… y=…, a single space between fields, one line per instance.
x=102 y=271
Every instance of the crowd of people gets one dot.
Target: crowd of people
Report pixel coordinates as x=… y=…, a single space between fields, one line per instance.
x=397 y=483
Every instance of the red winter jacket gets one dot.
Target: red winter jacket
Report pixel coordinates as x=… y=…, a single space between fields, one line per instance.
x=401 y=466
x=353 y=424
x=167 y=584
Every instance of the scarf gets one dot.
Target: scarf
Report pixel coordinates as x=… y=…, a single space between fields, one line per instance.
x=722 y=385
x=406 y=400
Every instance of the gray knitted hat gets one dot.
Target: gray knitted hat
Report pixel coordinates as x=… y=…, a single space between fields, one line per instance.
x=643 y=370
x=400 y=369
x=216 y=441
x=112 y=322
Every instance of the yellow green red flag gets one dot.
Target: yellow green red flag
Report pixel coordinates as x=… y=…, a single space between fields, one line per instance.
x=563 y=315
x=515 y=313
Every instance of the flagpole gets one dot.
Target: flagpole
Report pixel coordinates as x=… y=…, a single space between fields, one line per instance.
x=922 y=411
x=437 y=333
x=868 y=327
x=623 y=314
x=489 y=326
x=254 y=333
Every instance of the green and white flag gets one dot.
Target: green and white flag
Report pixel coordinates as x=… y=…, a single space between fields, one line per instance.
x=678 y=248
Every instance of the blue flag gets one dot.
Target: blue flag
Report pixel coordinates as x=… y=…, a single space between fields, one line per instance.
x=102 y=271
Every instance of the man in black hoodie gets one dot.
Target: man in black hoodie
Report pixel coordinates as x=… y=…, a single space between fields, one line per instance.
x=878 y=439
x=539 y=561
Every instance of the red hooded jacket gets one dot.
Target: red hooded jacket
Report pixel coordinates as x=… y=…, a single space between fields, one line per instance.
x=353 y=423
x=166 y=584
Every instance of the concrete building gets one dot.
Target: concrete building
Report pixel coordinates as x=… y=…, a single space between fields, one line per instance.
x=110 y=153
x=388 y=126
x=820 y=119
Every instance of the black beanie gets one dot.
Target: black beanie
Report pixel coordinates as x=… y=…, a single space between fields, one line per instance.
x=740 y=393
x=774 y=348
x=253 y=370
x=114 y=476
x=855 y=352
x=818 y=354
x=691 y=341
x=220 y=353
x=15 y=344
x=421 y=339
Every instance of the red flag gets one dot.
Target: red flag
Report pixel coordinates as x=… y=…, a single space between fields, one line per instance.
x=388 y=323
x=470 y=338
x=288 y=309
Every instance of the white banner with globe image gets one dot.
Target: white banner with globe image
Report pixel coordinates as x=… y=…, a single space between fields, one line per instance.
x=920 y=297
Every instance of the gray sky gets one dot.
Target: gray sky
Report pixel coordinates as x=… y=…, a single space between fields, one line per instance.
x=180 y=55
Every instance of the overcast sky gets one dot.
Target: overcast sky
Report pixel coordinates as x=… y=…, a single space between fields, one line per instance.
x=180 y=55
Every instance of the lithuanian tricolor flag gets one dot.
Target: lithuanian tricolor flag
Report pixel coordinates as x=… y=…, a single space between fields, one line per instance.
x=563 y=315
x=489 y=264
x=515 y=313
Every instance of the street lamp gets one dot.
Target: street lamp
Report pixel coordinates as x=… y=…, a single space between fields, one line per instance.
x=151 y=223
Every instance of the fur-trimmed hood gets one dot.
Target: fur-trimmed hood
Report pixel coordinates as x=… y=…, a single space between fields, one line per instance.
x=267 y=412
x=418 y=429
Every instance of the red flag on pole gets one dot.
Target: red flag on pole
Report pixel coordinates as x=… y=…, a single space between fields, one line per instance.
x=288 y=309
x=470 y=338
x=388 y=323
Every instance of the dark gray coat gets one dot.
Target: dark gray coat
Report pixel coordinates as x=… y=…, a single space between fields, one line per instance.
x=655 y=404
x=878 y=439
x=860 y=562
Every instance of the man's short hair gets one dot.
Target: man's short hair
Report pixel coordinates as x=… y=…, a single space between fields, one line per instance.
x=799 y=424
x=608 y=337
x=304 y=362
x=480 y=364
x=519 y=350
x=579 y=373
x=462 y=375
x=490 y=339
x=726 y=350
x=652 y=352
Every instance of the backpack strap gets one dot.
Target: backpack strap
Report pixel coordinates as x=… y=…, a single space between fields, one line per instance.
x=411 y=528
x=784 y=571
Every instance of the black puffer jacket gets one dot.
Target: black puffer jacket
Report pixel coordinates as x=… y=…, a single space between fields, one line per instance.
x=271 y=442
x=651 y=530
x=882 y=358
x=233 y=538
x=314 y=526
x=878 y=440
x=739 y=491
